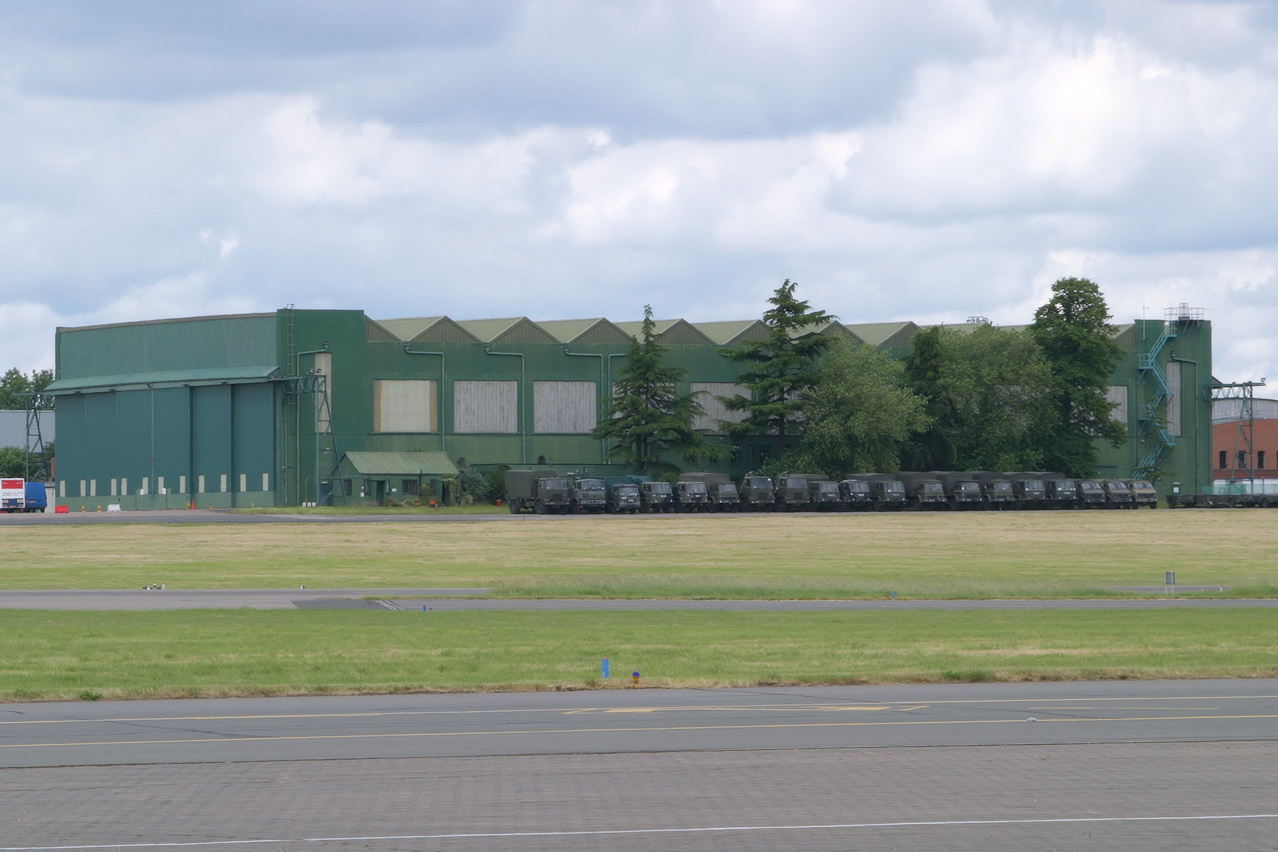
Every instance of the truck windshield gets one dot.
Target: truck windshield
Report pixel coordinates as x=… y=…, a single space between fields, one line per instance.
x=555 y=484
x=661 y=488
x=590 y=485
x=828 y=487
x=694 y=487
x=933 y=488
x=758 y=482
x=894 y=487
x=727 y=489
x=627 y=490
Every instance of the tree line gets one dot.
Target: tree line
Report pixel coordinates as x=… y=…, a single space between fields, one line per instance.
x=15 y=390
x=963 y=399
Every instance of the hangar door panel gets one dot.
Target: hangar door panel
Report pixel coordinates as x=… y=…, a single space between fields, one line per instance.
x=714 y=410
x=565 y=408
x=405 y=406
x=490 y=408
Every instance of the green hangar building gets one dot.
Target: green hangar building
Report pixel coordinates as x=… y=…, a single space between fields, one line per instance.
x=314 y=406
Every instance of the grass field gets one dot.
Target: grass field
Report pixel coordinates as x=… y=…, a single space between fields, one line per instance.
x=90 y=655
x=985 y=555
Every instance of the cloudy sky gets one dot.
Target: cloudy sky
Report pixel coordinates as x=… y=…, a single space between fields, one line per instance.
x=929 y=160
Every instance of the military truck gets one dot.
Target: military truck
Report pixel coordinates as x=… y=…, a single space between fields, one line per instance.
x=1117 y=494
x=824 y=495
x=656 y=496
x=857 y=495
x=923 y=490
x=756 y=493
x=1143 y=492
x=1091 y=494
x=886 y=491
x=996 y=489
x=962 y=491
x=622 y=496
x=691 y=496
x=721 y=492
x=791 y=492
x=1062 y=492
x=1028 y=490
x=588 y=495
x=537 y=491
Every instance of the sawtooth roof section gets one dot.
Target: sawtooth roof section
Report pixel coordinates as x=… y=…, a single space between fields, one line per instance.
x=428 y=330
x=733 y=332
x=375 y=332
x=402 y=464
x=884 y=333
x=1125 y=336
x=671 y=332
x=830 y=328
x=596 y=330
x=508 y=330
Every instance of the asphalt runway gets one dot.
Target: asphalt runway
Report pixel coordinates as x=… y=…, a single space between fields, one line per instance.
x=990 y=767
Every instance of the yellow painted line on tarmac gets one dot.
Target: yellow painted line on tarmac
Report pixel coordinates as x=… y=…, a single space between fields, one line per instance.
x=667 y=728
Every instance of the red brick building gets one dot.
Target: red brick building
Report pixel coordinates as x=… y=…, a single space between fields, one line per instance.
x=1244 y=448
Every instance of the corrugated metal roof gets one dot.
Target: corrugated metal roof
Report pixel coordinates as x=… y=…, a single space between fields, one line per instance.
x=507 y=330
x=211 y=376
x=734 y=331
x=402 y=464
x=595 y=330
x=884 y=333
x=428 y=329
x=675 y=331
x=13 y=428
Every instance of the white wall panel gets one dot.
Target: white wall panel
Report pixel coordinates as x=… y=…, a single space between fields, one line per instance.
x=714 y=410
x=404 y=406
x=565 y=408
x=486 y=408
x=1173 y=401
x=1117 y=395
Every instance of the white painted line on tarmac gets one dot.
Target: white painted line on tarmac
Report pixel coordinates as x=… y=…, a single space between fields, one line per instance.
x=497 y=835
x=647 y=729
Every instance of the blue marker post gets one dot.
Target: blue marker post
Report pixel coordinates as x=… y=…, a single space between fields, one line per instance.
x=605 y=668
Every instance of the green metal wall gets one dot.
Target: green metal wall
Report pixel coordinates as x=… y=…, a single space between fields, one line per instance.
x=250 y=427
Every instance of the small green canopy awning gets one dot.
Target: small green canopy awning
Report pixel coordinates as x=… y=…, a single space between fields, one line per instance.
x=402 y=464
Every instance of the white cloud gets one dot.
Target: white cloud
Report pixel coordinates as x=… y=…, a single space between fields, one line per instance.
x=929 y=163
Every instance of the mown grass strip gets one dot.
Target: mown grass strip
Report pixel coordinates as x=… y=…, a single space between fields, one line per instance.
x=77 y=655
x=988 y=555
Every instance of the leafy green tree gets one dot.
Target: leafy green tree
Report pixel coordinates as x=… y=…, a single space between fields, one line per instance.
x=13 y=461
x=1074 y=332
x=931 y=448
x=779 y=370
x=649 y=421
x=1000 y=387
x=858 y=413
x=13 y=384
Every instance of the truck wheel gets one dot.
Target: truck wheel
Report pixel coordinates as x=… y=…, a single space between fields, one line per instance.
x=539 y=508
x=514 y=507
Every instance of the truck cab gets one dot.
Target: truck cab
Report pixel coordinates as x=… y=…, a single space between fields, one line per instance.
x=656 y=496
x=691 y=496
x=756 y=493
x=856 y=494
x=588 y=496
x=791 y=493
x=824 y=495
x=623 y=497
